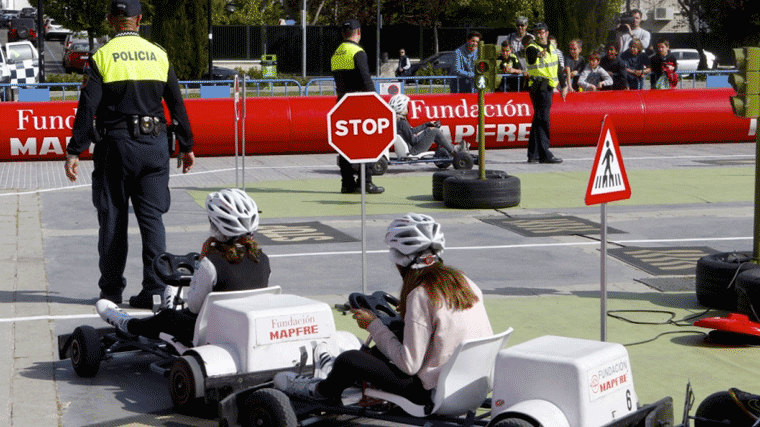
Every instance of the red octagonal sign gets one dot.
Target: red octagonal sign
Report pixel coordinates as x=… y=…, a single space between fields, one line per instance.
x=361 y=126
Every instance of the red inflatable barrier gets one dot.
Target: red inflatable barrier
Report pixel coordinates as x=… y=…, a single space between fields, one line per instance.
x=279 y=125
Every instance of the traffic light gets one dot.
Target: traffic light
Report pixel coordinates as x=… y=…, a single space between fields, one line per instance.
x=486 y=68
x=746 y=82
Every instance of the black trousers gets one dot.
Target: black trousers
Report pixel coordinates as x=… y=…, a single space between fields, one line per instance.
x=354 y=366
x=347 y=173
x=178 y=323
x=538 y=141
x=137 y=170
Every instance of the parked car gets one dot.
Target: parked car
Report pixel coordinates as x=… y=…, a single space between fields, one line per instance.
x=5 y=77
x=24 y=59
x=688 y=59
x=6 y=15
x=23 y=29
x=54 y=30
x=28 y=12
x=439 y=61
x=75 y=57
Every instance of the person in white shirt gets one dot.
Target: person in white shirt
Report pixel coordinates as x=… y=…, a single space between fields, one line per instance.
x=628 y=32
x=441 y=308
x=404 y=64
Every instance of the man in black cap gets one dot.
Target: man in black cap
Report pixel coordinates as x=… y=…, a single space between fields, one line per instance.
x=545 y=74
x=120 y=110
x=351 y=73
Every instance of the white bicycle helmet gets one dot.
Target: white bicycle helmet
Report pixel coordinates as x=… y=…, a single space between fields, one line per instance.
x=415 y=239
x=232 y=212
x=399 y=103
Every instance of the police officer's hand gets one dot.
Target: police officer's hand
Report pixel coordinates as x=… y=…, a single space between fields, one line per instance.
x=71 y=166
x=185 y=161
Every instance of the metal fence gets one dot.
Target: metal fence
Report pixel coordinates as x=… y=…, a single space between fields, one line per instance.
x=318 y=86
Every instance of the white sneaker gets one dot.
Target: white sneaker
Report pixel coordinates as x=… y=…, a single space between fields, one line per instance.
x=298 y=385
x=112 y=314
x=170 y=292
x=323 y=361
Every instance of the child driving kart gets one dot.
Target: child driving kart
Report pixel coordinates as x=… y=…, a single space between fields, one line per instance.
x=421 y=137
x=440 y=306
x=230 y=260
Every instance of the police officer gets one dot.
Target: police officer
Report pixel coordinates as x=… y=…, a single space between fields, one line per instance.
x=545 y=74
x=351 y=73
x=120 y=110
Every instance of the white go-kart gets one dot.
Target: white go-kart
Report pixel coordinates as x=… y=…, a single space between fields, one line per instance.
x=241 y=340
x=549 y=381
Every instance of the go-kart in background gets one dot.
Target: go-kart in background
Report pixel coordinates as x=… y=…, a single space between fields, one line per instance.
x=683 y=196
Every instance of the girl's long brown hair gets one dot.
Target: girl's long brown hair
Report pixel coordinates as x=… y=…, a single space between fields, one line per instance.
x=233 y=250
x=444 y=285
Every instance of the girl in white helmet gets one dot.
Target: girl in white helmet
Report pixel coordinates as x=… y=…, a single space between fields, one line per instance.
x=230 y=260
x=441 y=308
x=419 y=138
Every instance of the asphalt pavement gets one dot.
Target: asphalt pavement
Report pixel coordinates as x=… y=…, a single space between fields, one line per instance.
x=538 y=263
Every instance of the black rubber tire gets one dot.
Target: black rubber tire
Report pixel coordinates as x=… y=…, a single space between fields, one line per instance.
x=86 y=351
x=716 y=278
x=469 y=192
x=268 y=407
x=440 y=176
x=717 y=408
x=463 y=161
x=748 y=293
x=186 y=384
x=380 y=167
x=512 y=422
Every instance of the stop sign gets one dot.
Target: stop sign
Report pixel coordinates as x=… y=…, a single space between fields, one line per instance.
x=361 y=126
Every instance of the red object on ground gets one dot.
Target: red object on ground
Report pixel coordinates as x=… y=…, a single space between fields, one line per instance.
x=290 y=125
x=734 y=322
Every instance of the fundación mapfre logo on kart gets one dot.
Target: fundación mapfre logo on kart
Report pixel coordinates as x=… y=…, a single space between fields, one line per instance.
x=294 y=327
x=609 y=378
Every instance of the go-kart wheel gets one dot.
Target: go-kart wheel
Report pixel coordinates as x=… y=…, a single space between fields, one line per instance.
x=719 y=409
x=380 y=166
x=463 y=161
x=512 y=422
x=441 y=153
x=186 y=383
x=86 y=351
x=269 y=407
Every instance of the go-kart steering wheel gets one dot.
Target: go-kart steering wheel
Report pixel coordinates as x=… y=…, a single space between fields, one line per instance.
x=175 y=270
x=383 y=305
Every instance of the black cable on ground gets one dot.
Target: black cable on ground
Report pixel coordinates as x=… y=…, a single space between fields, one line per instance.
x=683 y=322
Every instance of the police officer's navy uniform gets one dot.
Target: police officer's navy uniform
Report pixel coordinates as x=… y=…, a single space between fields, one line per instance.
x=351 y=73
x=124 y=84
x=545 y=74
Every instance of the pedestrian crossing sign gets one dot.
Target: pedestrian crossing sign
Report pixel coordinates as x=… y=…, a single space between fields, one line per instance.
x=608 y=181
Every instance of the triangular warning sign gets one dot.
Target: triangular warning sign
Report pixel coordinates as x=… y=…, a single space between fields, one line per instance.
x=608 y=181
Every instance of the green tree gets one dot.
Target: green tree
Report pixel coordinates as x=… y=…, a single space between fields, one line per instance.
x=495 y=13
x=736 y=22
x=587 y=20
x=181 y=27
x=246 y=12
x=80 y=16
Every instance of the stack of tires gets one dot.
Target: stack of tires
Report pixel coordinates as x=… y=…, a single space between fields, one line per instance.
x=729 y=281
x=463 y=189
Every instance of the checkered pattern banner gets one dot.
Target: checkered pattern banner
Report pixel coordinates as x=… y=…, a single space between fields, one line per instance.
x=24 y=72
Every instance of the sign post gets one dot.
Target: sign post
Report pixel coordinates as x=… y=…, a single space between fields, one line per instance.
x=608 y=183
x=360 y=127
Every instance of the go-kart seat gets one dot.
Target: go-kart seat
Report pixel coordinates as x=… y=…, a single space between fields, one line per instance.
x=199 y=336
x=400 y=147
x=464 y=383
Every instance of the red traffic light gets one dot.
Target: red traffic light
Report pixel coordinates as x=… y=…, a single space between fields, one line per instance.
x=481 y=67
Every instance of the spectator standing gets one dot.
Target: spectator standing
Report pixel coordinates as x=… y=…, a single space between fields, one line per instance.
x=574 y=64
x=594 y=77
x=131 y=157
x=351 y=73
x=615 y=67
x=464 y=65
x=515 y=39
x=628 y=32
x=560 y=54
x=404 y=64
x=509 y=64
x=545 y=75
x=637 y=64
x=664 y=63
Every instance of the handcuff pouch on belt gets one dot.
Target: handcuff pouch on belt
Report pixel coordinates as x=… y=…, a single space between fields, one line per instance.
x=147 y=125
